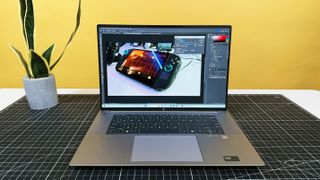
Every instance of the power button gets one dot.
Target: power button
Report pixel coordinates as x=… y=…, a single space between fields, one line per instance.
x=168 y=68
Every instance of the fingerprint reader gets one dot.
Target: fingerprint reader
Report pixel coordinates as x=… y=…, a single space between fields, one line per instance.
x=168 y=68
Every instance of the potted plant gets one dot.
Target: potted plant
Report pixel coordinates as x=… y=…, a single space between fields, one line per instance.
x=39 y=82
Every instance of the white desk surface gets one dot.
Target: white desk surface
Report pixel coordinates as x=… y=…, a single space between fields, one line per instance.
x=308 y=99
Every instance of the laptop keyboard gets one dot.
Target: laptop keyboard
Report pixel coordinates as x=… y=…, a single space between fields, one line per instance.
x=164 y=124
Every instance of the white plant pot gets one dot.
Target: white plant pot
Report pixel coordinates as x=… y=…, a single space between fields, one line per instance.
x=41 y=93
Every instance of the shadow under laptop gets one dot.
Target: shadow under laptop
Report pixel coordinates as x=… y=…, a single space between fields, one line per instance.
x=170 y=172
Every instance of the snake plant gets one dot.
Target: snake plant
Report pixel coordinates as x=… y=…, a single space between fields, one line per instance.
x=38 y=65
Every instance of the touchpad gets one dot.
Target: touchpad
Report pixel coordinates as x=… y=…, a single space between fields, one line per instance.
x=166 y=148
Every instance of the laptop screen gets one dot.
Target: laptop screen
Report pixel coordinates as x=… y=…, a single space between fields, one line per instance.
x=163 y=67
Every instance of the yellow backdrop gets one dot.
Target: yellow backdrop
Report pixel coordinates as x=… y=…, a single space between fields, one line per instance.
x=276 y=43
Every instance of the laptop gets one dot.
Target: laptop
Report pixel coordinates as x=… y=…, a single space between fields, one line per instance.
x=163 y=92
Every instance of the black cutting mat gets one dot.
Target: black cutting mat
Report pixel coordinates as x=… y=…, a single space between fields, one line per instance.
x=40 y=144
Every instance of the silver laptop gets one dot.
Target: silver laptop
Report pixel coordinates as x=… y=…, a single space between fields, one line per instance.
x=164 y=100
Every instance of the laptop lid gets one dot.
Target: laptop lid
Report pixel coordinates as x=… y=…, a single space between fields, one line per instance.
x=163 y=67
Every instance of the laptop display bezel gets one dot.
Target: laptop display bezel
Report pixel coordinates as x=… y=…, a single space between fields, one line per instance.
x=102 y=93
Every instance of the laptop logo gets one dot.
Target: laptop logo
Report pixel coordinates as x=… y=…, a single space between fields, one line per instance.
x=231 y=158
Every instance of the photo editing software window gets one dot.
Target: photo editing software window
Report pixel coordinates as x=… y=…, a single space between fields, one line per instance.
x=164 y=67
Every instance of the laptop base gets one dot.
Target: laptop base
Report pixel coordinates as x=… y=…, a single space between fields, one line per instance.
x=101 y=149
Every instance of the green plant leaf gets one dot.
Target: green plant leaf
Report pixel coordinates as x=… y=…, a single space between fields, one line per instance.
x=47 y=53
x=27 y=19
x=22 y=14
x=22 y=60
x=71 y=37
x=39 y=65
